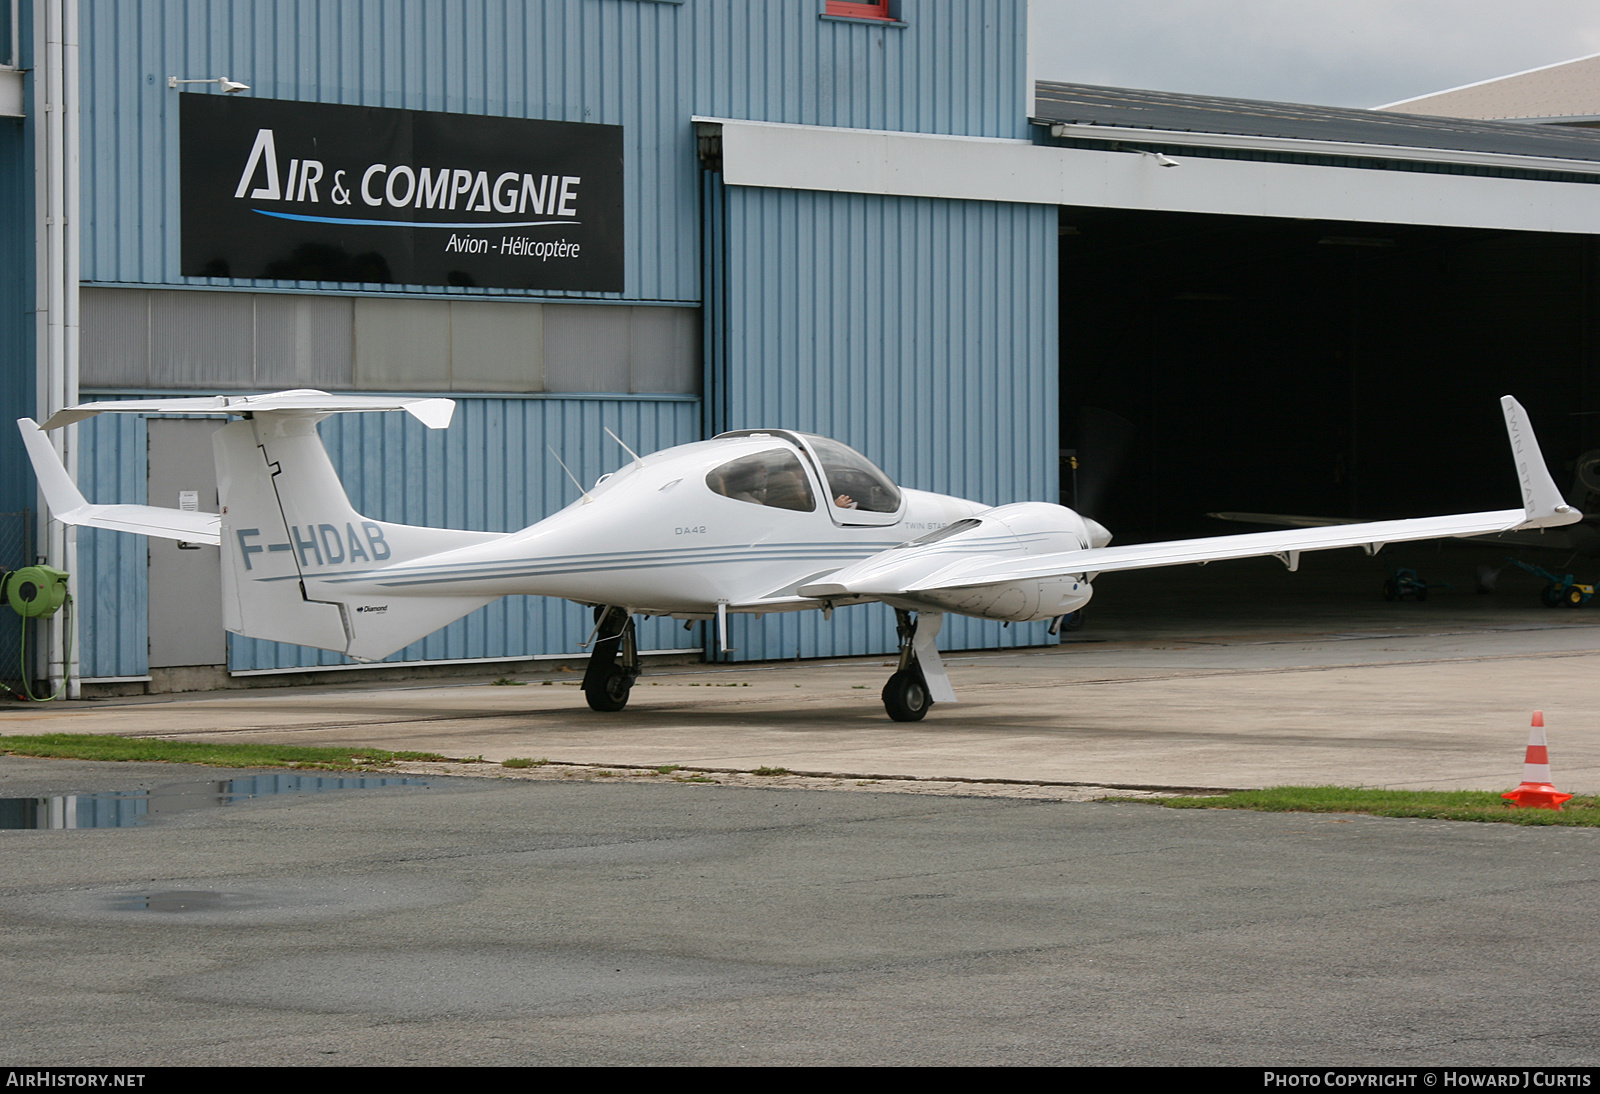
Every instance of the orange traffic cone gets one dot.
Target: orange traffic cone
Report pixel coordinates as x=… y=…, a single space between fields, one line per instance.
x=1536 y=791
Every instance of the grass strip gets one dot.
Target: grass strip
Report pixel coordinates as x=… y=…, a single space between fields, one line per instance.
x=79 y=746
x=1457 y=805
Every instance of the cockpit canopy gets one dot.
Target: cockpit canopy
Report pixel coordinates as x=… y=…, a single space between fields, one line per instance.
x=853 y=477
x=773 y=477
x=855 y=485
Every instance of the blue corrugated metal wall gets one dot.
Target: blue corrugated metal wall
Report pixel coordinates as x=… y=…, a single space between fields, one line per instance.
x=956 y=66
x=17 y=317
x=921 y=331
x=598 y=61
x=113 y=567
x=17 y=287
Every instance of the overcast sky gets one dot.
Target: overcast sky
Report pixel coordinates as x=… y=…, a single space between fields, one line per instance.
x=1339 y=53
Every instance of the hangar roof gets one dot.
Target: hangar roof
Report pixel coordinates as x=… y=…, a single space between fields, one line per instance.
x=1567 y=92
x=1171 y=116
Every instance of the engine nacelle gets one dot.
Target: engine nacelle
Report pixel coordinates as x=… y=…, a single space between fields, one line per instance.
x=907 y=576
x=1014 y=601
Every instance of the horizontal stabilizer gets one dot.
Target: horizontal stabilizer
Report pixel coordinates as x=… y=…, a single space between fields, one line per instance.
x=148 y=520
x=433 y=413
x=68 y=505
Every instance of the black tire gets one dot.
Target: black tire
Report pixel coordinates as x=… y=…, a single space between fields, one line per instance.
x=1553 y=596
x=905 y=696
x=612 y=695
x=1072 y=621
x=1391 y=590
x=1574 y=597
x=1420 y=592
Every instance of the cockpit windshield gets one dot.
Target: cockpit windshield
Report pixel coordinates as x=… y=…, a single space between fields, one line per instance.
x=773 y=478
x=854 y=482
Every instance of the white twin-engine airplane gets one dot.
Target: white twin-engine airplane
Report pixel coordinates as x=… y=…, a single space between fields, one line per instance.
x=750 y=521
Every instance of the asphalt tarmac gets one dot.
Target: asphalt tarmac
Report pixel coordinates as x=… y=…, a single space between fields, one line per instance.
x=491 y=921
x=580 y=918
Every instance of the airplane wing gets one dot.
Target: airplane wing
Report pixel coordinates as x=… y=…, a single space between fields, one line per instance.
x=70 y=507
x=1288 y=544
x=1284 y=520
x=1543 y=507
x=1580 y=536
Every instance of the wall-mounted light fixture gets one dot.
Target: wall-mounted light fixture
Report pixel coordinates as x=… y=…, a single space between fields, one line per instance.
x=221 y=81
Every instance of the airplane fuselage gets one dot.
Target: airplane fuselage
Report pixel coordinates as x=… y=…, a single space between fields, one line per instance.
x=657 y=537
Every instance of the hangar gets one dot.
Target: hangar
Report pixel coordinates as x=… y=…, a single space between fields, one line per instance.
x=862 y=220
x=1349 y=294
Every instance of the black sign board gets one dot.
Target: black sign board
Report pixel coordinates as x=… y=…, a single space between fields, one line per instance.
x=317 y=192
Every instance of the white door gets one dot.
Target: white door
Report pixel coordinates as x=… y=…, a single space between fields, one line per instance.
x=185 y=579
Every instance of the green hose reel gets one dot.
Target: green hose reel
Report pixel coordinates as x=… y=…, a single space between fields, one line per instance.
x=35 y=592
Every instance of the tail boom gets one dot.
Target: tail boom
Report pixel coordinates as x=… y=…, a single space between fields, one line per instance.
x=288 y=528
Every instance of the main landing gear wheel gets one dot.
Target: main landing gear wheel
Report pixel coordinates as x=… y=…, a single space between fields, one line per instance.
x=905 y=696
x=614 y=662
x=612 y=694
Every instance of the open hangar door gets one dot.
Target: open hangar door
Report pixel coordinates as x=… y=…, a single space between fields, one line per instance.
x=1232 y=363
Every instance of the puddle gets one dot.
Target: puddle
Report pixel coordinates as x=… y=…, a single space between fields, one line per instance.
x=131 y=809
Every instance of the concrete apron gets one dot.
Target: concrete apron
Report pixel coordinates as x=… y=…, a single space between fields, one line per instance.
x=1414 y=706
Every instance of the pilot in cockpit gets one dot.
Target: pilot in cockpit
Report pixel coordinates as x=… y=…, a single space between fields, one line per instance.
x=787 y=489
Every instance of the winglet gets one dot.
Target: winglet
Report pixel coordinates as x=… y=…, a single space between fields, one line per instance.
x=59 y=490
x=1541 y=501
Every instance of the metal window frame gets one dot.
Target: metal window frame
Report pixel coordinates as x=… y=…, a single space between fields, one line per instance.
x=873 y=10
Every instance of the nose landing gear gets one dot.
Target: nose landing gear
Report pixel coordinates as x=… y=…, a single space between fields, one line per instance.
x=606 y=683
